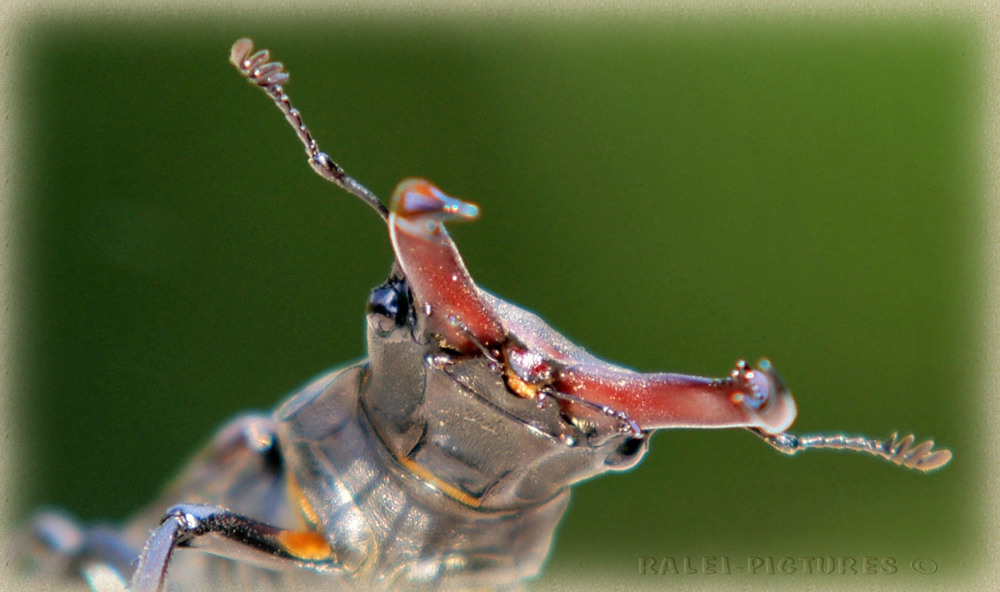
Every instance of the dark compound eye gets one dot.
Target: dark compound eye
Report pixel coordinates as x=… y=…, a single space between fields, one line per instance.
x=631 y=447
x=627 y=454
x=384 y=301
x=389 y=305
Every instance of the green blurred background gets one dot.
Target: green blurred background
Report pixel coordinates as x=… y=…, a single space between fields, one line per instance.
x=673 y=193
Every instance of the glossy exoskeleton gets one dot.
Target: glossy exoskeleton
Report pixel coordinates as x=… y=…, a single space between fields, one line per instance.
x=442 y=461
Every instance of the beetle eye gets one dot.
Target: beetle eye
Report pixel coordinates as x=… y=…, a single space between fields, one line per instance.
x=389 y=305
x=630 y=447
x=384 y=301
x=627 y=454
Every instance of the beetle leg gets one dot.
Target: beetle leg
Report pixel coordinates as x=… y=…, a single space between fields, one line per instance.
x=219 y=531
x=243 y=454
x=60 y=545
x=253 y=432
x=893 y=449
x=243 y=451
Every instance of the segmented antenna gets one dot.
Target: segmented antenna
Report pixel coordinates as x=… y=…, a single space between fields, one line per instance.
x=626 y=423
x=269 y=76
x=895 y=450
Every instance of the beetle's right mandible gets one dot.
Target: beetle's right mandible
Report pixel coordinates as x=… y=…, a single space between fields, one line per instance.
x=450 y=302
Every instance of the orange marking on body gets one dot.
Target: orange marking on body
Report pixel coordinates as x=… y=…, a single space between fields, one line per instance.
x=436 y=482
x=519 y=387
x=306 y=545
x=298 y=498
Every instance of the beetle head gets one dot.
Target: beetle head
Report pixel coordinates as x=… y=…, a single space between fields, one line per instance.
x=453 y=362
x=486 y=401
x=431 y=306
x=534 y=359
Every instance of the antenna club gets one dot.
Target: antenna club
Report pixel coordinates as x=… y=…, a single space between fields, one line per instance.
x=269 y=76
x=240 y=50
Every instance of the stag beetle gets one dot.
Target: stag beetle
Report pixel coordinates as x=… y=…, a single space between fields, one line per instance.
x=442 y=461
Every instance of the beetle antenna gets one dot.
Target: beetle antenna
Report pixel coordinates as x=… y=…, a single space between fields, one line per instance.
x=627 y=424
x=459 y=324
x=894 y=449
x=269 y=76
